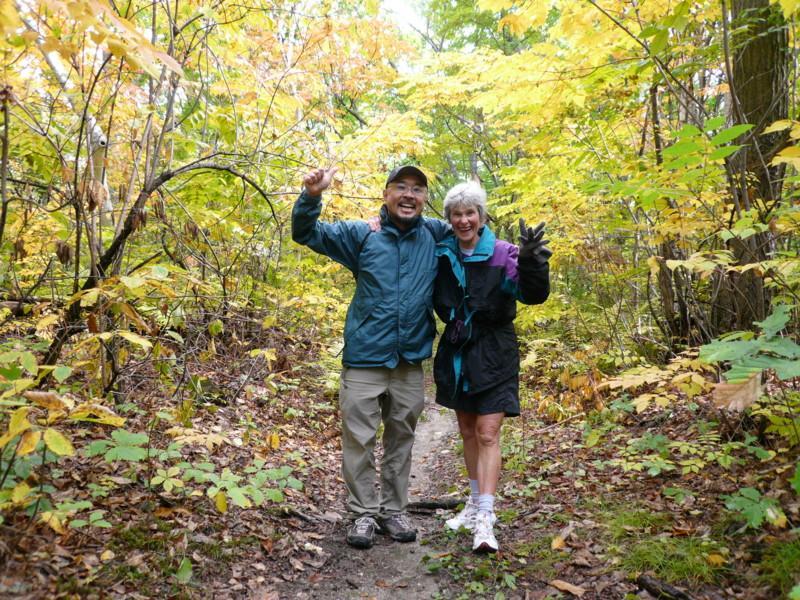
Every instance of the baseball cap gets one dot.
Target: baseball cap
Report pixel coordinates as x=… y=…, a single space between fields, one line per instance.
x=404 y=170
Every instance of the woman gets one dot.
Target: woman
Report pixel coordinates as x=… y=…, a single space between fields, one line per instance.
x=476 y=368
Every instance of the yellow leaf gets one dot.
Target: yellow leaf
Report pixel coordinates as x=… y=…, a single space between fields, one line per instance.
x=19 y=421
x=96 y=413
x=715 y=560
x=557 y=543
x=133 y=316
x=18 y=386
x=58 y=443
x=107 y=556
x=642 y=402
x=52 y=520
x=48 y=400
x=777 y=517
x=790 y=155
x=221 y=502
x=43 y=324
x=517 y=24
x=20 y=492
x=495 y=5
x=89 y=297
x=789 y=7
x=654 y=264
x=28 y=442
x=134 y=338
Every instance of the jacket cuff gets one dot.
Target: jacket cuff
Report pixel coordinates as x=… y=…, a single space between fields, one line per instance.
x=306 y=196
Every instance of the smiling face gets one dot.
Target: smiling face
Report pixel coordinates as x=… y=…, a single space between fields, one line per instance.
x=405 y=198
x=466 y=221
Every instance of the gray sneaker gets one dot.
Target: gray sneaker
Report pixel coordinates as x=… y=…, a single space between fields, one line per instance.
x=362 y=532
x=398 y=527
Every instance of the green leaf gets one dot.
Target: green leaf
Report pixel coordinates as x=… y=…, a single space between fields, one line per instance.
x=128 y=453
x=97 y=447
x=718 y=351
x=776 y=321
x=274 y=495
x=61 y=372
x=239 y=498
x=659 y=42
x=795 y=480
x=682 y=148
x=123 y=437
x=294 y=483
x=723 y=152
x=29 y=363
x=785 y=369
x=730 y=134
x=795 y=593
x=184 y=572
x=7 y=357
x=715 y=123
x=782 y=347
x=215 y=327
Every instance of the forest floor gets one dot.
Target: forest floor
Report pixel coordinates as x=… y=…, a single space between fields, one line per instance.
x=619 y=505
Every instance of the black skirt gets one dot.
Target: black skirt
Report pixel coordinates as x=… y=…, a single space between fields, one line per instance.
x=500 y=398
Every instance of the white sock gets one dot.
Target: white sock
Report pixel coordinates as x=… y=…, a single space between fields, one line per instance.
x=473 y=488
x=486 y=503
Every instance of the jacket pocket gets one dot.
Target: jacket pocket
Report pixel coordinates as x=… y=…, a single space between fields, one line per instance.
x=360 y=312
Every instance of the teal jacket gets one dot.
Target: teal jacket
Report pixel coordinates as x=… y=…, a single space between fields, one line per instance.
x=390 y=317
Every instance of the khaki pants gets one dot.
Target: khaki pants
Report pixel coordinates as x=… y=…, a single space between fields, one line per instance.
x=362 y=412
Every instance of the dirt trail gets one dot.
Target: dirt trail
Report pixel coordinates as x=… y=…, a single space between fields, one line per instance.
x=389 y=569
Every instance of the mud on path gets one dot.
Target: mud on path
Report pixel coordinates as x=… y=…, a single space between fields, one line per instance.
x=389 y=569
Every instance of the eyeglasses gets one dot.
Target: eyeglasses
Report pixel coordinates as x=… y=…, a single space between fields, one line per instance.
x=416 y=190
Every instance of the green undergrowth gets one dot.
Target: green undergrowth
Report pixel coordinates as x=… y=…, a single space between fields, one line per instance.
x=146 y=556
x=780 y=565
x=470 y=575
x=641 y=541
x=675 y=559
x=537 y=557
x=624 y=522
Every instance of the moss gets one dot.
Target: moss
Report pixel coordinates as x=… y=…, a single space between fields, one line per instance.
x=674 y=559
x=626 y=522
x=539 y=557
x=780 y=565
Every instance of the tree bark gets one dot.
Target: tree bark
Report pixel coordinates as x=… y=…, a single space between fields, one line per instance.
x=759 y=96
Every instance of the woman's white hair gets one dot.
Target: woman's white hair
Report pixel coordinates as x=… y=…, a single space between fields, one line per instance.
x=466 y=195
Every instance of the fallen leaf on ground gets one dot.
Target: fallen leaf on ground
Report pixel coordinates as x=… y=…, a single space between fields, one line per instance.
x=567 y=587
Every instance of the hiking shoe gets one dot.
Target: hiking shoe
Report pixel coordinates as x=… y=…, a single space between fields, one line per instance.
x=484 y=540
x=465 y=519
x=398 y=527
x=362 y=532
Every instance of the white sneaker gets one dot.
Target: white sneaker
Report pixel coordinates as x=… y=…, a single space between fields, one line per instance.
x=465 y=519
x=484 y=540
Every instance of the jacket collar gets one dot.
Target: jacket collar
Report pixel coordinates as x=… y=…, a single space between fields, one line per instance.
x=386 y=223
x=484 y=249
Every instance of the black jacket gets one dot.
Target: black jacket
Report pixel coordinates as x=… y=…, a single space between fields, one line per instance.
x=476 y=296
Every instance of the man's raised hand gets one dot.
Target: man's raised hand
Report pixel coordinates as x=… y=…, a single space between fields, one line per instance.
x=531 y=242
x=318 y=180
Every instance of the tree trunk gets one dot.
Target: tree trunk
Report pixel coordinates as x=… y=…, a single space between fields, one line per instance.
x=760 y=96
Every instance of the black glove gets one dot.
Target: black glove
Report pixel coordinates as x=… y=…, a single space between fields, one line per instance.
x=531 y=244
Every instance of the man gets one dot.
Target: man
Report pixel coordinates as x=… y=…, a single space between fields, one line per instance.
x=388 y=332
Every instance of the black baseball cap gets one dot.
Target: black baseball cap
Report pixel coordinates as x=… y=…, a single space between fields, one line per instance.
x=404 y=170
